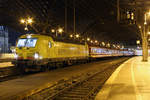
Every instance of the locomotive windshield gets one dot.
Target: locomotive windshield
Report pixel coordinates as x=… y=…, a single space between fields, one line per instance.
x=30 y=42
x=21 y=42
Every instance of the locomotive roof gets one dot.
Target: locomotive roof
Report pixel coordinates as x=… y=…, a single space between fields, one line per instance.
x=57 y=39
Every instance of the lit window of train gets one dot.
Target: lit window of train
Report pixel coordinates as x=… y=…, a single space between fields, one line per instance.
x=21 y=42
x=30 y=42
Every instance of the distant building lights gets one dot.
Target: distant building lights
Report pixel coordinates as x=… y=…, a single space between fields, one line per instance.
x=132 y=16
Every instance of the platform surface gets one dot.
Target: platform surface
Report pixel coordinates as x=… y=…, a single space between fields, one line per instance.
x=5 y=64
x=130 y=81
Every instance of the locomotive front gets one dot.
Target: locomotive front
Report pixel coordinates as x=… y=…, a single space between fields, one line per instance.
x=27 y=50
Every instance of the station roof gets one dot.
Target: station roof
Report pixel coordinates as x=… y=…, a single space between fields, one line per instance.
x=94 y=18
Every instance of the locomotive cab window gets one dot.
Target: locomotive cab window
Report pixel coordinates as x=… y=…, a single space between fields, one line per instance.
x=21 y=42
x=31 y=42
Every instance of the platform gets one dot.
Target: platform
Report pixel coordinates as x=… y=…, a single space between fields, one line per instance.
x=5 y=64
x=131 y=81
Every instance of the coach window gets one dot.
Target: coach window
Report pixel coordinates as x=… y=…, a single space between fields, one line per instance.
x=49 y=44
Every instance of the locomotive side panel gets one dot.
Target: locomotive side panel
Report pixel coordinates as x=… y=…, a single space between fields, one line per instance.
x=68 y=50
x=45 y=50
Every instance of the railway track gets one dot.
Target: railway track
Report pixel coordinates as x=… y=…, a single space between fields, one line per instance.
x=84 y=87
x=12 y=72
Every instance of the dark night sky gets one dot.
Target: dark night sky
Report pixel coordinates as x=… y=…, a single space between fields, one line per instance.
x=94 y=18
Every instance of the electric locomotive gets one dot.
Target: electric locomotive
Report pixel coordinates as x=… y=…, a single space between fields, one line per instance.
x=34 y=50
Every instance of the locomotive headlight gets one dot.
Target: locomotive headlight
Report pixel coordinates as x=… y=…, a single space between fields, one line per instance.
x=40 y=57
x=36 y=55
x=15 y=56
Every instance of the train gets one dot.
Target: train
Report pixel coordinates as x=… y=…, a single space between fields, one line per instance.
x=36 y=51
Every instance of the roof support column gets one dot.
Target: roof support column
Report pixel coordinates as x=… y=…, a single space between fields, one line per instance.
x=145 y=44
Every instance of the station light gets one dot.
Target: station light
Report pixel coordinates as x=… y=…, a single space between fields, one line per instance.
x=91 y=41
x=148 y=33
x=103 y=43
x=148 y=39
x=26 y=22
x=29 y=21
x=108 y=45
x=118 y=46
x=26 y=28
x=96 y=41
x=138 y=42
x=77 y=35
x=60 y=30
x=140 y=27
x=52 y=30
x=22 y=21
x=71 y=35
x=88 y=39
